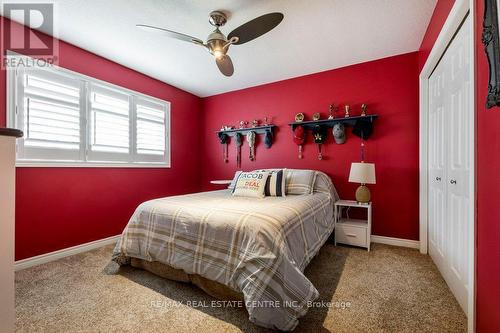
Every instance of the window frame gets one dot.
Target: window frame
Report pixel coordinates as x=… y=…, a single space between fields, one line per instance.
x=133 y=160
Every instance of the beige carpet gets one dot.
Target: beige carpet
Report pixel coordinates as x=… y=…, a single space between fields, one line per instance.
x=390 y=289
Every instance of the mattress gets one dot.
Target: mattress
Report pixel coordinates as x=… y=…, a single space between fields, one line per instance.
x=256 y=247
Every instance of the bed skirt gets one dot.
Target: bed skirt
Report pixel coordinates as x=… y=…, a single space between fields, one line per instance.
x=212 y=288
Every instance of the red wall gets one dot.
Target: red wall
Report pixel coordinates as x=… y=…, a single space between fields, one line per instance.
x=389 y=87
x=488 y=194
x=61 y=207
x=438 y=18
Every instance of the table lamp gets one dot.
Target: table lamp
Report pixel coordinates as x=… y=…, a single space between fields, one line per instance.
x=362 y=173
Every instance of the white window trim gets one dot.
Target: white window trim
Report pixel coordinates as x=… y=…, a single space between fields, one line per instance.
x=11 y=101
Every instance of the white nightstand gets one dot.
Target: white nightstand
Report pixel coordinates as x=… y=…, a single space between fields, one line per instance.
x=351 y=231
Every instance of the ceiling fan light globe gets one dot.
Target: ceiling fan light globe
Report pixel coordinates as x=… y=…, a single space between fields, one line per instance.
x=218 y=54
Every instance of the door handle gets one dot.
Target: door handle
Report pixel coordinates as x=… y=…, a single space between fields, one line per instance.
x=351 y=235
x=453 y=181
x=438 y=179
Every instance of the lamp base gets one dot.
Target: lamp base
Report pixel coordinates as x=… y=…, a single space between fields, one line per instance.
x=363 y=194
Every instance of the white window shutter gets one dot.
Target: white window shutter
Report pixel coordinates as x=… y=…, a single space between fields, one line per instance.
x=150 y=128
x=49 y=114
x=109 y=124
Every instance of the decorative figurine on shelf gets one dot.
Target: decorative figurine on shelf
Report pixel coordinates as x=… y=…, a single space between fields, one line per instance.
x=331 y=113
x=363 y=110
x=299 y=117
x=316 y=116
x=346 y=115
x=255 y=123
x=299 y=137
x=339 y=133
x=243 y=124
x=265 y=121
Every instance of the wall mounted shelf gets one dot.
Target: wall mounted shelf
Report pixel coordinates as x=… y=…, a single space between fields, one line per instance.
x=330 y=122
x=244 y=131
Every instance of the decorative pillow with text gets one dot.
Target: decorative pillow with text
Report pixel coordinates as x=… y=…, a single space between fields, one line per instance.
x=233 y=182
x=251 y=184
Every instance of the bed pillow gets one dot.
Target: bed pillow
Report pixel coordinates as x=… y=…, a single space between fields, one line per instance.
x=233 y=182
x=251 y=184
x=276 y=183
x=300 y=181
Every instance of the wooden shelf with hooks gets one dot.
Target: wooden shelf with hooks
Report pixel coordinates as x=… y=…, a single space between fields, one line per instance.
x=330 y=122
x=244 y=131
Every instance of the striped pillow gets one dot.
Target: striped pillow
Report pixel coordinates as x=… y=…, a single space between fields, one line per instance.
x=275 y=184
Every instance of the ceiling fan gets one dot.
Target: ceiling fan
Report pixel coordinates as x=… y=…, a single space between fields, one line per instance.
x=217 y=43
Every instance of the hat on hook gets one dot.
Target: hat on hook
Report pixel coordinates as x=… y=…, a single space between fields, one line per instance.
x=363 y=129
x=223 y=137
x=319 y=133
x=339 y=133
x=268 y=139
x=299 y=135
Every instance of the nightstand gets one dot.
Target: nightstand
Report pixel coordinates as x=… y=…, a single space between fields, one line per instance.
x=351 y=231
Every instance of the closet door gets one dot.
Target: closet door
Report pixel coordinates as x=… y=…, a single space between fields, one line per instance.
x=449 y=165
x=458 y=165
x=438 y=115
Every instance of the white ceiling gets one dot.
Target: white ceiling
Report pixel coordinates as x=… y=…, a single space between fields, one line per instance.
x=315 y=35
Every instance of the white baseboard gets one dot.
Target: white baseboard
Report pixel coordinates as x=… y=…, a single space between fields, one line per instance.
x=396 y=241
x=48 y=257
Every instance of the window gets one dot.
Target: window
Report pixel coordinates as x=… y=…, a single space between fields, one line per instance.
x=72 y=120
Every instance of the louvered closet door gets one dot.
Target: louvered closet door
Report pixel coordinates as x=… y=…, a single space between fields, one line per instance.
x=449 y=165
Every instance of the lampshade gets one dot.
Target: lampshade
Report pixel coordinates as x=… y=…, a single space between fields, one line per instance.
x=363 y=173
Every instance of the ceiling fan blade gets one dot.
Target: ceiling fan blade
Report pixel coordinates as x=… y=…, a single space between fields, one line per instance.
x=256 y=27
x=170 y=33
x=225 y=65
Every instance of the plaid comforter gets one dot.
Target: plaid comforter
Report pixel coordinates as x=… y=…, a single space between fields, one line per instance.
x=259 y=247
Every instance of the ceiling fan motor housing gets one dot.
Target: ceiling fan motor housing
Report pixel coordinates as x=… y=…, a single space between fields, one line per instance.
x=217 y=18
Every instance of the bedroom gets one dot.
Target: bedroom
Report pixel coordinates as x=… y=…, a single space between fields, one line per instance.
x=131 y=135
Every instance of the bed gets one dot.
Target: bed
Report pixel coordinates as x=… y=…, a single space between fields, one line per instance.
x=236 y=247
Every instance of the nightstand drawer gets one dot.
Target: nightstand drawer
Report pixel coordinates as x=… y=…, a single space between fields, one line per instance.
x=347 y=234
